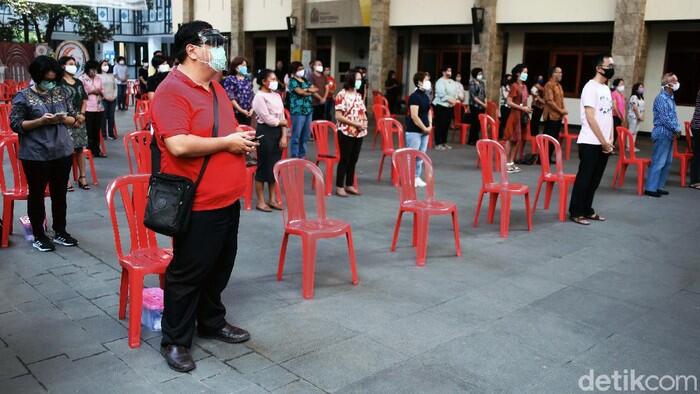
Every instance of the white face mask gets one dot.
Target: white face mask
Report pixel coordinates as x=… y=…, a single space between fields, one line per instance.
x=426 y=85
x=300 y=73
x=273 y=85
x=105 y=69
x=164 y=68
x=533 y=90
x=121 y=62
x=480 y=77
x=71 y=69
x=620 y=88
x=319 y=69
x=676 y=86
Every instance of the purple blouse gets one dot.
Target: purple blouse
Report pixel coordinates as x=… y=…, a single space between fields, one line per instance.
x=240 y=90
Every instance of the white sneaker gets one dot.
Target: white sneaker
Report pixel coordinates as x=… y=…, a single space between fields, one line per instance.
x=440 y=147
x=419 y=182
x=636 y=150
x=447 y=146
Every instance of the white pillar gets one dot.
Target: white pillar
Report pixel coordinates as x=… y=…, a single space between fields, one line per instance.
x=154 y=44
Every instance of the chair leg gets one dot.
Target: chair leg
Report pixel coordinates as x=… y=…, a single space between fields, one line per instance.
x=329 y=177
x=455 y=228
x=135 y=300
x=463 y=134
x=640 y=179
x=493 y=198
x=374 y=140
x=396 y=231
x=351 y=256
x=123 y=294
x=423 y=229
x=7 y=220
x=381 y=164
x=548 y=195
x=505 y=214
x=93 y=173
x=478 y=208
x=684 y=169
x=528 y=213
x=414 y=235
x=537 y=194
x=75 y=168
x=283 y=253
x=563 y=191
x=308 y=267
x=621 y=178
x=568 y=149
x=616 y=174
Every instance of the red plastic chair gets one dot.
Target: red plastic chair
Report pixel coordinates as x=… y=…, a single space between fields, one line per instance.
x=628 y=157
x=490 y=151
x=558 y=177
x=458 y=111
x=528 y=138
x=144 y=256
x=287 y=116
x=380 y=112
x=687 y=155
x=137 y=145
x=489 y=130
x=5 y=110
x=142 y=120
x=142 y=106
x=321 y=129
x=567 y=138
x=388 y=128
x=404 y=160
x=492 y=109
x=87 y=155
x=289 y=175
x=381 y=100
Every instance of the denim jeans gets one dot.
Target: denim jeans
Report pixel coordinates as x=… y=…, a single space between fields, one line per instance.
x=418 y=141
x=301 y=128
x=661 y=159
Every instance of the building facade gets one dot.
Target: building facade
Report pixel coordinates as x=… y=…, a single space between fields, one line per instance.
x=645 y=37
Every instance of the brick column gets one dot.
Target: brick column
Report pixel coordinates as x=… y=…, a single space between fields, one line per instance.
x=304 y=39
x=630 y=41
x=489 y=53
x=237 y=44
x=187 y=11
x=382 y=46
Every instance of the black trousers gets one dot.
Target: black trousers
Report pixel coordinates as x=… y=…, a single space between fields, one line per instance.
x=535 y=120
x=475 y=127
x=121 y=96
x=349 y=153
x=443 y=116
x=590 y=172
x=108 y=124
x=505 y=112
x=616 y=122
x=93 y=122
x=203 y=259
x=695 y=165
x=39 y=174
x=552 y=128
x=242 y=119
x=319 y=112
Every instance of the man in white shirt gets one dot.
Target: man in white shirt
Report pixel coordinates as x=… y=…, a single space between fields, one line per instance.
x=594 y=141
x=121 y=75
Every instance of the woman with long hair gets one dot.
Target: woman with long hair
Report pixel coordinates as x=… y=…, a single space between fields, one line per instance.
x=94 y=110
x=635 y=113
x=109 y=101
x=351 y=119
x=75 y=93
x=519 y=116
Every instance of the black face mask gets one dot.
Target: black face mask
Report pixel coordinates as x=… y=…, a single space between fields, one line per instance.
x=608 y=73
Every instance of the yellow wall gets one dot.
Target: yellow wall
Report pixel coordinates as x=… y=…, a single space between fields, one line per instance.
x=560 y=11
x=430 y=12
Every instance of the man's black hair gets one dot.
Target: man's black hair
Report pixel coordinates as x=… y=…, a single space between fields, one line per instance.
x=188 y=34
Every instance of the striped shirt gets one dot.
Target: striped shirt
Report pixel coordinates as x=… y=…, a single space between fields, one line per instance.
x=695 y=123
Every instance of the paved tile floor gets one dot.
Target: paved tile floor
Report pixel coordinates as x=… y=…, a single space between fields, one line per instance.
x=528 y=314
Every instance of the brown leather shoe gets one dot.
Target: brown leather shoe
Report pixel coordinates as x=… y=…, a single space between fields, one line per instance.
x=178 y=357
x=229 y=334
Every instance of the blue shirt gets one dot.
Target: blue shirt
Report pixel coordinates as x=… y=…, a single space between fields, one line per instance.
x=445 y=88
x=422 y=100
x=665 y=117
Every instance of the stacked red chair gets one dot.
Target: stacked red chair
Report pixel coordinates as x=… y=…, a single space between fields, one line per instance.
x=463 y=128
x=551 y=178
x=137 y=146
x=489 y=130
x=5 y=110
x=388 y=129
x=289 y=175
x=567 y=138
x=404 y=160
x=628 y=157
x=380 y=112
x=685 y=156
x=143 y=256
x=490 y=151
x=326 y=134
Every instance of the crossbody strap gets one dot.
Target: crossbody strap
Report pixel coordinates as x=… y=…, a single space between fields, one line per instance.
x=214 y=133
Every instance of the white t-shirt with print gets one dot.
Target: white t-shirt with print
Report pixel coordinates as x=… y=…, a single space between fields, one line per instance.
x=596 y=95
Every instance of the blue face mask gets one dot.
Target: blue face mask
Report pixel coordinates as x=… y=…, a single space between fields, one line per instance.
x=243 y=70
x=523 y=77
x=47 y=85
x=358 y=84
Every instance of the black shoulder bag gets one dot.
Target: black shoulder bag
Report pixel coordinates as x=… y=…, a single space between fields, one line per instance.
x=170 y=197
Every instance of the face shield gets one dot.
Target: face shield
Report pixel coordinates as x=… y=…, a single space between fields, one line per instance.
x=217 y=46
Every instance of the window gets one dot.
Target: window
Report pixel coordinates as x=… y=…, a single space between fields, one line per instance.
x=259 y=54
x=323 y=49
x=573 y=52
x=439 y=50
x=282 y=50
x=682 y=59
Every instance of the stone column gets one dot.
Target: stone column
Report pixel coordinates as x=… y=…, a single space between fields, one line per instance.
x=382 y=46
x=187 y=11
x=238 y=42
x=304 y=39
x=630 y=38
x=489 y=53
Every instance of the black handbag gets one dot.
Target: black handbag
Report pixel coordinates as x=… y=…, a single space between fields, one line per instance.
x=170 y=197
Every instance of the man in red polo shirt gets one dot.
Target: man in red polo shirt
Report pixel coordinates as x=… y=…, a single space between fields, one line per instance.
x=203 y=257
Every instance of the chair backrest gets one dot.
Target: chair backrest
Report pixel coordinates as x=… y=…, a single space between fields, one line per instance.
x=380 y=99
x=326 y=134
x=142 y=106
x=626 y=141
x=492 y=109
x=133 y=190
x=489 y=127
x=138 y=145
x=389 y=126
x=688 y=138
x=142 y=120
x=491 y=152
x=457 y=112
x=404 y=160
x=380 y=112
x=544 y=144
x=289 y=175
x=5 y=110
x=9 y=147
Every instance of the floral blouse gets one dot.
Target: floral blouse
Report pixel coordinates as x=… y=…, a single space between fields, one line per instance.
x=298 y=104
x=352 y=107
x=240 y=90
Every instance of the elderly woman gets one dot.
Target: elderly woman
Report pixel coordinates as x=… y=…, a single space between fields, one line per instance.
x=42 y=115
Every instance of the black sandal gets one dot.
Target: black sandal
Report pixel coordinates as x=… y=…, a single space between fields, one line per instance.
x=580 y=220
x=82 y=185
x=597 y=217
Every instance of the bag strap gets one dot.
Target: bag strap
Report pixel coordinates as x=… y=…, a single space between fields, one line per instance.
x=214 y=133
